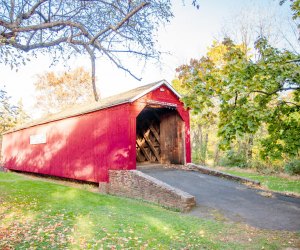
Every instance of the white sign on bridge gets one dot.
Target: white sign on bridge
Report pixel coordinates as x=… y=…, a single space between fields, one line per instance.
x=38 y=139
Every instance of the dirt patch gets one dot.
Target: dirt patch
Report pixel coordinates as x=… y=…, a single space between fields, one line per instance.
x=266 y=194
x=247 y=234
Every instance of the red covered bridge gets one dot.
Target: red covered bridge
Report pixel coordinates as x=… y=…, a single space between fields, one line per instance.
x=146 y=124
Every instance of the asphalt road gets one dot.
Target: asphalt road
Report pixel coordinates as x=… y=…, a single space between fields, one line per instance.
x=224 y=199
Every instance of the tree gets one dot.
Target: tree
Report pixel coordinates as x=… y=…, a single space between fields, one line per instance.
x=55 y=92
x=11 y=115
x=7 y=112
x=250 y=94
x=21 y=115
x=112 y=29
x=295 y=7
x=202 y=126
x=261 y=20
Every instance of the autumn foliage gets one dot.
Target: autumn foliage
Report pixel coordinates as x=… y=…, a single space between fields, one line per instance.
x=57 y=91
x=253 y=99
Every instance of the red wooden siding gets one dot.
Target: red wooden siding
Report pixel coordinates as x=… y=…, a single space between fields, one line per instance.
x=86 y=146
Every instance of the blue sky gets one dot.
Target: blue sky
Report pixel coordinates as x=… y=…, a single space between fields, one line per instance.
x=187 y=36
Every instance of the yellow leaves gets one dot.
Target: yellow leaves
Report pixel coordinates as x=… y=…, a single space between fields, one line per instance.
x=55 y=92
x=201 y=233
x=219 y=52
x=52 y=79
x=216 y=53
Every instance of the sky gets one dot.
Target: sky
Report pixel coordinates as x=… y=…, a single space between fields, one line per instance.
x=187 y=36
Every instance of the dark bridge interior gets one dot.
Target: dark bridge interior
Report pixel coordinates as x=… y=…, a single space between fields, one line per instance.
x=160 y=136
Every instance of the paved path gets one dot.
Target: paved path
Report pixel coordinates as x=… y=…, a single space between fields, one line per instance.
x=221 y=198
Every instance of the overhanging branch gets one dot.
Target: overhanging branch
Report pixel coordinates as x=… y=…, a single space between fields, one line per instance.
x=120 y=24
x=274 y=92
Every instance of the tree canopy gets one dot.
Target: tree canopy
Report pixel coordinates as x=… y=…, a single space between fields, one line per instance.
x=250 y=93
x=57 y=91
x=112 y=29
x=295 y=7
x=11 y=115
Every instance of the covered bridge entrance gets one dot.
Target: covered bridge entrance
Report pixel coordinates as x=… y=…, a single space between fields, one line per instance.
x=160 y=136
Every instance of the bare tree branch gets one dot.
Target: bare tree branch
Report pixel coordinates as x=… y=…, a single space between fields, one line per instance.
x=98 y=27
x=41 y=45
x=30 y=12
x=12 y=10
x=93 y=64
x=114 y=28
x=275 y=91
x=121 y=66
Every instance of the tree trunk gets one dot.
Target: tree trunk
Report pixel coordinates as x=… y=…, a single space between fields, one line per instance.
x=205 y=148
x=200 y=135
x=199 y=148
x=249 y=148
x=216 y=156
x=93 y=62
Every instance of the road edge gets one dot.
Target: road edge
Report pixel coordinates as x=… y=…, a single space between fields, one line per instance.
x=209 y=171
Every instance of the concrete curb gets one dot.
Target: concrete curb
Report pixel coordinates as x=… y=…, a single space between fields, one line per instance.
x=217 y=173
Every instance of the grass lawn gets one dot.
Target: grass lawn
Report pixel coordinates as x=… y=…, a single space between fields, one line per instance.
x=275 y=183
x=36 y=214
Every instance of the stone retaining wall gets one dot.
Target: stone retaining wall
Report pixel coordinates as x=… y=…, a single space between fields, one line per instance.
x=210 y=171
x=135 y=184
x=214 y=172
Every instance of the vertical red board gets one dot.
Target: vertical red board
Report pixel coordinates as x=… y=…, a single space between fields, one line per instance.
x=82 y=147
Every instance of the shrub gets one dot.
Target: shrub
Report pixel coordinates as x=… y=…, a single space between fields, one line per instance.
x=293 y=167
x=259 y=166
x=234 y=159
x=267 y=167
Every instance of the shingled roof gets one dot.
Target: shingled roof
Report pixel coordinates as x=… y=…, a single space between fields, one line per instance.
x=125 y=97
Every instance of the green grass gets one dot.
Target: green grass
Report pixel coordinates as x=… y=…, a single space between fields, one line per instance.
x=274 y=183
x=43 y=215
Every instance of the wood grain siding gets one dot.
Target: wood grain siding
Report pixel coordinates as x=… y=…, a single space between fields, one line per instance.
x=172 y=139
x=87 y=141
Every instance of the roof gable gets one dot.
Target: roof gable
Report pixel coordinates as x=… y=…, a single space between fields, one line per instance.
x=122 y=98
x=153 y=87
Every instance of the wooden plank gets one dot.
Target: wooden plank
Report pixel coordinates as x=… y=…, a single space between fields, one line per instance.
x=139 y=154
x=153 y=130
x=153 y=149
x=171 y=144
x=181 y=142
x=164 y=143
x=140 y=144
